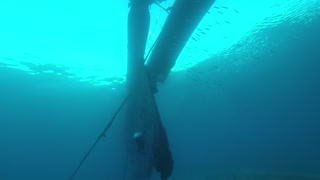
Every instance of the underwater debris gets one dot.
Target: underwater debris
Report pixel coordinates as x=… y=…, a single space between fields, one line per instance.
x=256 y=57
x=10 y=59
x=238 y=45
x=193 y=38
x=228 y=22
x=200 y=30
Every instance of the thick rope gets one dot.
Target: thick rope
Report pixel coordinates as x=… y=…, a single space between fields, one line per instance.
x=103 y=134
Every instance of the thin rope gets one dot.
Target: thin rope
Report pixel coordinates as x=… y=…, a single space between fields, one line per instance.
x=162 y=7
x=147 y=56
x=103 y=134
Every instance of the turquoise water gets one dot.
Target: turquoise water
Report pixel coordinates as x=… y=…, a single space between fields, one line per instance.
x=242 y=98
x=87 y=40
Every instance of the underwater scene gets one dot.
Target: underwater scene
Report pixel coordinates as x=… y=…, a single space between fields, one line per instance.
x=241 y=101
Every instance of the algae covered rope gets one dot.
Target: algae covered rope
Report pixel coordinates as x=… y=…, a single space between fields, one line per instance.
x=100 y=136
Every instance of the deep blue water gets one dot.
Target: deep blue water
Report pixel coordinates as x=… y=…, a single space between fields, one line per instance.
x=252 y=109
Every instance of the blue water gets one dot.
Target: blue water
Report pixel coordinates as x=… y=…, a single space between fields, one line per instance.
x=260 y=117
x=253 y=109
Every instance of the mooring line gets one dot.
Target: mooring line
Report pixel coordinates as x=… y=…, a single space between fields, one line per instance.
x=103 y=134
